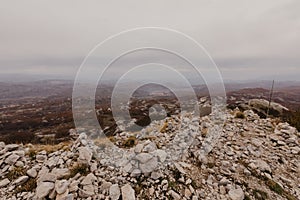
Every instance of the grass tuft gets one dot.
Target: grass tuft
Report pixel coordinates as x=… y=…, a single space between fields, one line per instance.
x=81 y=168
x=29 y=186
x=130 y=142
x=274 y=187
x=260 y=195
x=15 y=173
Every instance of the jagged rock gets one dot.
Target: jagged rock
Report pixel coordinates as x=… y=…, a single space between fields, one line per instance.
x=156 y=175
x=73 y=187
x=179 y=168
x=20 y=153
x=4 y=182
x=41 y=158
x=2 y=145
x=138 y=148
x=162 y=155
x=127 y=192
x=135 y=173
x=127 y=168
x=32 y=172
x=90 y=179
x=105 y=186
x=12 y=159
x=263 y=166
x=61 y=186
x=21 y=180
x=261 y=106
x=150 y=147
x=11 y=147
x=60 y=173
x=89 y=186
x=114 y=192
x=47 y=177
x=19 y=164
x=43 y=189
x=144 y=157
x=174 y=195
x=85 y=155
x=64 y=196
x=149 y=166
x=236 y=194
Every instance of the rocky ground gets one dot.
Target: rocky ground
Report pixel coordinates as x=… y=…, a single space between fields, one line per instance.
x=254 y=158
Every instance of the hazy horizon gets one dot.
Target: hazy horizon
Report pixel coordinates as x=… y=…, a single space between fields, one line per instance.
x=257 y=40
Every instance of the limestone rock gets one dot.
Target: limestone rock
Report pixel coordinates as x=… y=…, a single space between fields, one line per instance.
x=43 y=189
x=114 y=192
x=236 y=194
x=127 y=192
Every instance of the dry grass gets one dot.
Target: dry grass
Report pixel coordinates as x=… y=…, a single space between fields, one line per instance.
x=48 y=148
x=130 y=142
x=80 y=168
x=29 y=186
x=164 y=127
x=103 y=142
x=204 y=132
x=15 y=173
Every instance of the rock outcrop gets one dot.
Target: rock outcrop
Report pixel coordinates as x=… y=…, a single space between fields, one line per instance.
x=254 y=158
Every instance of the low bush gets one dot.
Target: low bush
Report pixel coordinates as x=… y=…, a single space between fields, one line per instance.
x=81 y=168
x=130 y=142
x=293 y=118
x=260 y=195
x=29 y=186
x=240 y=115
x=15 y=173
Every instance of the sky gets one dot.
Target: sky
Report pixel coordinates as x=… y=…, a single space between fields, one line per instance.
x=248 y=40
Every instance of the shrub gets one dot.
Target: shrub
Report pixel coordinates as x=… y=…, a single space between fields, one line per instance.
x=129 y=142
x=31 y=153
x=81 y=168
x=260 y=195
x=211 y=165
x=19 y=137
x=247 y=197
x=293 y=118
x=29 y=186
x=16 y=172
x=48 y=148
x=240 y=115
x=274 y=186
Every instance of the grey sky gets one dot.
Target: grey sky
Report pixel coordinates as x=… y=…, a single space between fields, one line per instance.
x=247 y=39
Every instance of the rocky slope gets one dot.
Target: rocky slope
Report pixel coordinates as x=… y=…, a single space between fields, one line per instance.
x=253 y=159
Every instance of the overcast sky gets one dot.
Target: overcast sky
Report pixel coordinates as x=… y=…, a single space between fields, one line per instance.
x=253 y=39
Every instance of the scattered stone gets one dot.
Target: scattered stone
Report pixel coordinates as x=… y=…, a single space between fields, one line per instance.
x=263 y=166
x=41 y=158
x=11 y=147
x=114 y=192
x=127 y=192
x=43 y=189
x=61 y=186
x=4 y=182
x=149 y=166
x=250 y=147
x=21 y=180
x=236 y=194
x=32 y=172
x=12 y=159
x=85 y=155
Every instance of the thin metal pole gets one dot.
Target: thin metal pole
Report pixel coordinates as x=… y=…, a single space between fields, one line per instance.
x=270 y=98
